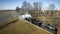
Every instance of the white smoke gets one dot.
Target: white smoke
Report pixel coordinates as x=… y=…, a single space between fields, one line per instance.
x=25 y=16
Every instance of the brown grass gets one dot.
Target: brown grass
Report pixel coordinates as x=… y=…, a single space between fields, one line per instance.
x=22 y=27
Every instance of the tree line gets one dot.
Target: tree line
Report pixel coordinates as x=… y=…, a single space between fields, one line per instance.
x=35 y=6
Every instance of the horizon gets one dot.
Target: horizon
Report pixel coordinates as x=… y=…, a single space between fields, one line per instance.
x=12 y=4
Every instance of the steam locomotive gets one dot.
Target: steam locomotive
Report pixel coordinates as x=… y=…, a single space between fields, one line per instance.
x=43 y=25
x=48 y=27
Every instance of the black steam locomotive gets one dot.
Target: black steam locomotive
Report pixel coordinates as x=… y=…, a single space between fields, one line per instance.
x=43 y=25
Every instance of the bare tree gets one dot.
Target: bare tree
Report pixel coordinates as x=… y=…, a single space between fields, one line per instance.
x=51 y=8
x=26 y=6
x=37 y=7
x=17 y=8
x=29 y=6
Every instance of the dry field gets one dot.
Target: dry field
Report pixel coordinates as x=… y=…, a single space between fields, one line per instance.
x=18 y=27
x=7 y=16
x=23 y=27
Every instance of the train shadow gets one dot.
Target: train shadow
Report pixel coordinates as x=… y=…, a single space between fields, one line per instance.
x=1 y=27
